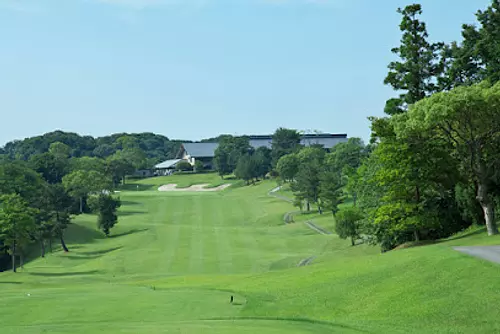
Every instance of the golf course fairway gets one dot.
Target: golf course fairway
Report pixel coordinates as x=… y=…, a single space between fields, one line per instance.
x=174 y=260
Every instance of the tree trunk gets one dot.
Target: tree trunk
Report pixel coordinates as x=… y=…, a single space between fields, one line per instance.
x=81 y=204
x=123 y=179
x=333 y=213
x=352 y=241
x=416 y=235
x=13 y=251
x=488 y=208
x=42 y=248
x=308 y=206
x=63 y=244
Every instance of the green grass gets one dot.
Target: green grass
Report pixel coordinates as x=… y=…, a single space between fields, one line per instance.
x=175 y=258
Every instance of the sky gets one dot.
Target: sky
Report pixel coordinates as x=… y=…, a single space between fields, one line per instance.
x=193 y=69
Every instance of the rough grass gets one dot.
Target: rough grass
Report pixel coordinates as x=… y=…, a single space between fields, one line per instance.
x=174 y=259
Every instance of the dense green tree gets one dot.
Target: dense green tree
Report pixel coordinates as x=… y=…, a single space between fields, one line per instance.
x=87 y=164
x=49 y=166
x=58 y=206
x=105 y=206
x=347 y=224
x=80 y=184
x=263 y=160
x=307 y=182
x=330 y=190
x=118 y=168
x=247 y=168
x=104 y=151
x=288 y=167
x=17 y=178
x=415 y=74
x=284 y=141
x=17 y=220
x=466 y=118
x=60 y=150
x=228 y=153
x=477 y=57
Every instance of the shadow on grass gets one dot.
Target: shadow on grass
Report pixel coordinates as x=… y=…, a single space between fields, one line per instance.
x=80 y=234
x=125 y=203
x=133 y=231
x=130 y=213
x=101 y=252
x=136 y=187
x=74 y=273
x=468 y=234
x=10 y=282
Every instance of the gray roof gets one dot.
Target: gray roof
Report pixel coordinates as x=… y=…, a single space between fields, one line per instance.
x=327 y=142
x=207 y=150
x=259 y=142
x=167 y=164
x=201 y=150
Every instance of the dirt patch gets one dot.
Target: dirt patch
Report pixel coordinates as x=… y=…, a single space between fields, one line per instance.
x=193 y=188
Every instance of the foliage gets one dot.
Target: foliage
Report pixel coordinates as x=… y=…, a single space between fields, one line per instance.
x=105 y=206
x=198 y=166
x=228 y=153
x=80 y=184
x=17 y=219
x=476 y=58
x=307 y=182
x=466 y=120
x=184 y=166
x=330 y=190
x=263 y=161
x=247 y=168
x=153 y=146
x=51 y=167
x=347 y=224
x=288 y=167
x=284 y=141
x=416 y=72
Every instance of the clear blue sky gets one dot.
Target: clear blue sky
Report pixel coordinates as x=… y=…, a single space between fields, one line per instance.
x=191 y=69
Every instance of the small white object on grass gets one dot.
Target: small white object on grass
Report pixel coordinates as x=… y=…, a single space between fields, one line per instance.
x=29 y=294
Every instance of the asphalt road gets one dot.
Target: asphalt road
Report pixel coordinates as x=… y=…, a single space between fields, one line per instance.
x=490 y=253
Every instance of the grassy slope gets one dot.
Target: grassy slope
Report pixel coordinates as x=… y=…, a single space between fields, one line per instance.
x=175 y=258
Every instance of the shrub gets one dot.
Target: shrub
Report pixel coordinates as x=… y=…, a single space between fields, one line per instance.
x=183 y=166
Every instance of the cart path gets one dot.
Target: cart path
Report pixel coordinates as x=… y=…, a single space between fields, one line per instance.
x=490 y=253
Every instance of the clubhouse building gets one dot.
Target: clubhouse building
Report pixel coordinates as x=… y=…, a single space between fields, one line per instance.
x=205 y=152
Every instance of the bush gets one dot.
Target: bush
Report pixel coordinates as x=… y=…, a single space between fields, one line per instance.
x=198 y=166
x=183 y=166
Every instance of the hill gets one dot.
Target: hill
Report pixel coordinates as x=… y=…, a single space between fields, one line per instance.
x=174 y=260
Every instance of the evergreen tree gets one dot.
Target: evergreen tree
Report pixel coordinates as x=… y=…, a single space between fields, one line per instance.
x=418 y=68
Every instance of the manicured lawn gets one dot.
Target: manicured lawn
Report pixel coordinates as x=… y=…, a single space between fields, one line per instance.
x=174 y=260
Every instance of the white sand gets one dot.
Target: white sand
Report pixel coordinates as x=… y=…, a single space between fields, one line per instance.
x=195 y=188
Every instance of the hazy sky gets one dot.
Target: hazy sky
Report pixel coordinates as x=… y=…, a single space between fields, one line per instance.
x=190 y=69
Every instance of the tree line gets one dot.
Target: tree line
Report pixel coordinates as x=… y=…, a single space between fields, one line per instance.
x=40 y=196
x=430 y=168
x=148 y=148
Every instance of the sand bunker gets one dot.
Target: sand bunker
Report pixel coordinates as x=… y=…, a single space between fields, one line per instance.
x=196 y=187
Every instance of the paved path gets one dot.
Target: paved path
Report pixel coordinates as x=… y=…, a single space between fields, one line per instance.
x=317 y=228
x=490 y=253
x=306 y=262
x=274 y=194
